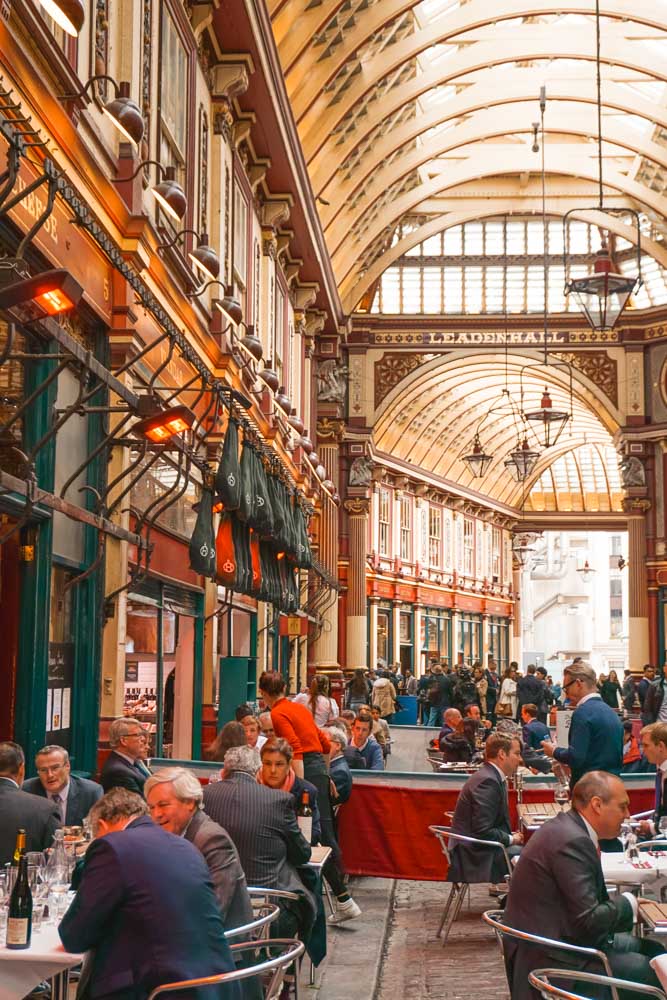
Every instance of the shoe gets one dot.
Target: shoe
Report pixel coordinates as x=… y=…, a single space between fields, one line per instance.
x=498 y=890
x=345 y=911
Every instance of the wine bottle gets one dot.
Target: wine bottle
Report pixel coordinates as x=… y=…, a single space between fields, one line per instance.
x=19 y=850
x=304 y=817
x=19 y=917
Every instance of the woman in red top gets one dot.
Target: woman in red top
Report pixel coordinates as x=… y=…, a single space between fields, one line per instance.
x=295 y=723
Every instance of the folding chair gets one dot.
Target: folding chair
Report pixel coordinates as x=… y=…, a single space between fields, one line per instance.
x=539 y=980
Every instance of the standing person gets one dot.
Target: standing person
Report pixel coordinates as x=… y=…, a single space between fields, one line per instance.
x=175 y=801
x=558 y=891
x=439 y=695
x=482 y=688
x=648 y=714
x=628 y=691
x=482 y=811
x=507 y=698
x=319 y=702
x=530 y=690
x=423 y=703
x=73 y=796
x=39 y=818
x=545 y=704
x=595 y=739
x=357 y=691
x=610 y=690
x=654 y=705
x=410 y=683
x=383 y=697
x=295 y=724
x=493 y=681
x=125 y=767
x=145 y=907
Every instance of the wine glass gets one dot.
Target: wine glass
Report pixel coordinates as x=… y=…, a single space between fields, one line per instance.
x=562 y=794
x=625 y=833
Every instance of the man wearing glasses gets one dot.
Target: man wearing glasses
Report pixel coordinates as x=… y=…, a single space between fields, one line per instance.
x=72 y=796
x=124 y=767
x=595 y=739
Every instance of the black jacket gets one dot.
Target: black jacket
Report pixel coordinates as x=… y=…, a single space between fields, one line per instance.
x=119 y=773
x=40 y=819
x=652 y=701
x=482 y=811
x=82 y=795
x=558 y=891
x=456 y=749
x=531 y=690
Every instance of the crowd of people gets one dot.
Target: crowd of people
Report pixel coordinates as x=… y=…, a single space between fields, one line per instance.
x=173 y=857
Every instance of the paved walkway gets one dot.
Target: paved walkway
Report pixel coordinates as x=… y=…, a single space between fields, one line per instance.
x=391 y=952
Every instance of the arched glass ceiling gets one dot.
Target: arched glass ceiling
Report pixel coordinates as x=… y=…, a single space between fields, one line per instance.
x=585 y=479
x=497 y=266
x=430 y=418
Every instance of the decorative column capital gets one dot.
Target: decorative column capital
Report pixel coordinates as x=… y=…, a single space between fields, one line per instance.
x=357 y=506
x=636 y=505
x=330 y=430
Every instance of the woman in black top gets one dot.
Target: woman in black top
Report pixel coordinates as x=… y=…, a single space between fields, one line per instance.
x=610 y=690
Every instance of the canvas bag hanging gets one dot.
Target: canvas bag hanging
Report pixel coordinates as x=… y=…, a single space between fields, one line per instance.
x=228 y=476
x=263 y=508
x=202 y=542
x=225 y=552
x=247 y=502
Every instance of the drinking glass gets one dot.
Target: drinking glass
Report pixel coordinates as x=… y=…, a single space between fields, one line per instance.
x=562 y=794
x=625 y=832
x=214 y=776
x=662 y=826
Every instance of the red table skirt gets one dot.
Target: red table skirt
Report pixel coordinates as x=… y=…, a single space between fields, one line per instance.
x=384 y=828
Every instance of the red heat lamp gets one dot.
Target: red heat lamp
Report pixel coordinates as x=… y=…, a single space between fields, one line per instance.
x=165 y=424
x=47 y=294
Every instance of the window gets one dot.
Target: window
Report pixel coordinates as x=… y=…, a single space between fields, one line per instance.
x=384 y=518
x=173 y=97
x=496 y=539
x=616 y=545
x=434 y=536
x=615 y=606
x=469 y=546
x=240 y=237
x=406 y=518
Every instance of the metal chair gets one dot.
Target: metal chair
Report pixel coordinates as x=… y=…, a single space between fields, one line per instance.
x=539 y=980
x=492 y=918
x=434 y=761
x=256 y=929
x=458 y=890
x=264 y=898
x=278 y=965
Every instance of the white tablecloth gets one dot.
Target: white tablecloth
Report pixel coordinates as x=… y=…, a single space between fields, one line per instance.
x=659 y=966
x=21 y=971
x=616 y=868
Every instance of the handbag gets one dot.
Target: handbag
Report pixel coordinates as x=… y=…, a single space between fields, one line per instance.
x=504 y=708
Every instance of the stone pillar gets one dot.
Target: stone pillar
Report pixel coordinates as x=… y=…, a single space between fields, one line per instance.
x=396 y=632
x=418 y=612
x=329 y=435
x=373 y=631
x=485 y=640
x=638 y=631
x=516 y=644
x=356 y=624
x=456 y=636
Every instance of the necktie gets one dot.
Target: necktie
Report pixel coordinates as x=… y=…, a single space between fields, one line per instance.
x=57 y=799
x=658 y=792
x=140 y=766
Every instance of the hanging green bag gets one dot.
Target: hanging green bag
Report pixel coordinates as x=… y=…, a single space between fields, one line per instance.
x=228 y=476
x=247 y=501
x=202 y=542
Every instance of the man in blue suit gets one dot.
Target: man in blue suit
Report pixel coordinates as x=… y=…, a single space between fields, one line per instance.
x=595 y=741
x=72 y=796
x=145 y=908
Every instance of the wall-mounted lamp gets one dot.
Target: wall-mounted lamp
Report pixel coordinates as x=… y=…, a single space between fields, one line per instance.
x=229 y=305
x=204 y=259
x=165 y=424
x=47 y=294
x=169 y=194
x=122 y=110
x=68 y=14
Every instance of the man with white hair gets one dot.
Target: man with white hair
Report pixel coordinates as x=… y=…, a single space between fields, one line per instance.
x=339 y=769
x=175 y=801
x=262 y=823
x=595 y=739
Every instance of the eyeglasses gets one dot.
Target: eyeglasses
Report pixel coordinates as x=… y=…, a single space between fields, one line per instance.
x=136 y=736
x=50 y=770
x=570 y=683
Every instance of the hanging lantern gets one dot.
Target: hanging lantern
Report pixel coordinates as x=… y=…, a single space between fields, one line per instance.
x=477 y=461
x=586 y=571
x=521 y=461
x=602 y=295
x=522 y=549
x=553 y=421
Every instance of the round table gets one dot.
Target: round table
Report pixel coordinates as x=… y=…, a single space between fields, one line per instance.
x=619 y=871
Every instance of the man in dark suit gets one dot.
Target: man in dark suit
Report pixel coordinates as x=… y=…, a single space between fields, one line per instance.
x=558 y=892
x=482 y=811
x=72 y=796
x=146 y=908
x=654 y=748
x=262 y=823
x=38 y=818
x=534 y=731
x=531 y=690
x=124 y=767
x=175 y=799
x=595 y=740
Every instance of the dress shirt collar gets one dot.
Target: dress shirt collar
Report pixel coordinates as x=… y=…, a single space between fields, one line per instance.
x=5 y=777
x=63 y=793
x=590 y=831
x=587 y=697
x=663 y=767
x=503 y=777
x=130 y=760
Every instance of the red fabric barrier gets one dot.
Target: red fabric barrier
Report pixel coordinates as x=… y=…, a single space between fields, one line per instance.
x=383 y=829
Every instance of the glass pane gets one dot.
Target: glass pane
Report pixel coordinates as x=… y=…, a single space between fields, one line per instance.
x=453 y=241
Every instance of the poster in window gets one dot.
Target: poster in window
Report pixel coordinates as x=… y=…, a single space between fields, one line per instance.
x=67 y=696
x=57 y=709
x=49 y=708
